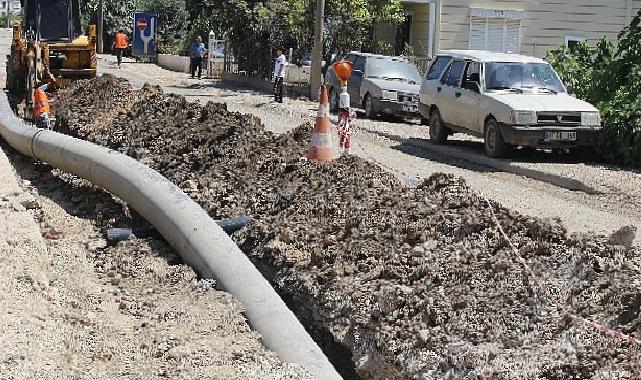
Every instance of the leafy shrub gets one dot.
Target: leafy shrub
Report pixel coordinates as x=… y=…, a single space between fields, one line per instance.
x=609 y=78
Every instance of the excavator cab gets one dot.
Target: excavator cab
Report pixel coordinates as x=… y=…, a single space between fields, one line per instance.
x=49 y=38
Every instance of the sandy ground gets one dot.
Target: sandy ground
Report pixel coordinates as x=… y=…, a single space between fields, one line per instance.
x=72 y=307
x=402 y=147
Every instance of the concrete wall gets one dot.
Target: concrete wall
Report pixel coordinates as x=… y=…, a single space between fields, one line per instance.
x=546 y=22
x=182 y=65
x=264 y=85
x=174 y=62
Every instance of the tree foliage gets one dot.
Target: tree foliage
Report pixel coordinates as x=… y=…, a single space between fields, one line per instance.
x=609 y=78
x=116 y=15
x=254 y=27
x=119 y=15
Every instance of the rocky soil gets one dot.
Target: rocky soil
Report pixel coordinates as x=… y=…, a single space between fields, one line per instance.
x=414 y=282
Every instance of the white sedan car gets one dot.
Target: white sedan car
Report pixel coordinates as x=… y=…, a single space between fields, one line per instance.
x=507 y=99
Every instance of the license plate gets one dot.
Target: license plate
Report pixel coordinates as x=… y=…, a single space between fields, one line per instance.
x=562 y=136
x=409 y=108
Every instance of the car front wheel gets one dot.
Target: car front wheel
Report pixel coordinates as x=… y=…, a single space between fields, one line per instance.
x=438 y=131
x=495 y=146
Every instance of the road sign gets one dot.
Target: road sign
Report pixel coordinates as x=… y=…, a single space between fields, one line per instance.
x=141 y=23
x=145 y=31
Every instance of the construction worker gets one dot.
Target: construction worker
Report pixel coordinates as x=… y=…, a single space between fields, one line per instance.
x=121 y=42
x=41 y=101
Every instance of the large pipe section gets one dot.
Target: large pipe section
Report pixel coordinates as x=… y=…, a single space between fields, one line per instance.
x=185 y=225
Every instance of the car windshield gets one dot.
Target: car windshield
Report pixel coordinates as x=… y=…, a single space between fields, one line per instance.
x=522 y=77
x=392 y=69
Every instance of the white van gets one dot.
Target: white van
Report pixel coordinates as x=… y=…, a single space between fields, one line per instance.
x=508 y=100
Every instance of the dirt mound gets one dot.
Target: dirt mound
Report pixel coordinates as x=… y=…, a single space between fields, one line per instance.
x=415 y=282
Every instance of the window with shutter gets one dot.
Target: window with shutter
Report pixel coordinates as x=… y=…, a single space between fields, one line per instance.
x=499 y=34
x=495 y=34
x=513 y=36
x=477 y=33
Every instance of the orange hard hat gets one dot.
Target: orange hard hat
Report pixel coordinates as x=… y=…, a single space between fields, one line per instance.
x=343 y=70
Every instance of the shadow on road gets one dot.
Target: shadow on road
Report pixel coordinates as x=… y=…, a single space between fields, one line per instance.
x=469 y=155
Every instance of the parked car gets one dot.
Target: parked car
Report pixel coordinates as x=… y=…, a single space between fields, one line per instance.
x=507 y=99
x=379 y=84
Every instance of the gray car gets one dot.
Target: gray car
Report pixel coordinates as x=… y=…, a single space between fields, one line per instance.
x=379 y=84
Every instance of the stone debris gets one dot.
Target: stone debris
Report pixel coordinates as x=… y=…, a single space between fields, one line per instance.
x=415 y=282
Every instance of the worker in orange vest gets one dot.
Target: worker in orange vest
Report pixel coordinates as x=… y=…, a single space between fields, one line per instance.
x=41 y=108
x=121 y=42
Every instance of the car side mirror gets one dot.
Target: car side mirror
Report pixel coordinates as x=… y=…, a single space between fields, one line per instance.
x=472 y=86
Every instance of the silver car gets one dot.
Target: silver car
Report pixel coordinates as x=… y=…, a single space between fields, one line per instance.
x=379 y=84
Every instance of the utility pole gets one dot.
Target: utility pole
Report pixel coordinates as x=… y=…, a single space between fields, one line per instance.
x=9 y=14
x=317 y=51
x=99 y=28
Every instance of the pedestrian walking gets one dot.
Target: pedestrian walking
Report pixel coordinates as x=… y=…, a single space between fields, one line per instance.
x=279 y=74
x=121 y=42
x=197 y=52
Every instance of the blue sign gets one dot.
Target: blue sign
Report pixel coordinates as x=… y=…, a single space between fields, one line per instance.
x=145 y=31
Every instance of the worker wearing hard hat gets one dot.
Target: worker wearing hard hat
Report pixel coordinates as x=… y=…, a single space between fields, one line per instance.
x=41 y=108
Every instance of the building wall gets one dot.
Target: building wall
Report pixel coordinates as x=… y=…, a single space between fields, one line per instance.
x=546 y=22
x=15 y=6
x=419 y=32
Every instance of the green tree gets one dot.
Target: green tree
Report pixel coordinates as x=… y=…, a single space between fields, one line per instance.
x=172 y=18
x=254 y=27
x=610 y=79
x=117 y=15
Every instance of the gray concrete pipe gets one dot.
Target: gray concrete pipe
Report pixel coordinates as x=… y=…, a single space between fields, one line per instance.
x=185 y=225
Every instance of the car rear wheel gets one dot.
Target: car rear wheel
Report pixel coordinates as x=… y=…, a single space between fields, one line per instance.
x=370 y=111
x=495 y=146
x=438 y=131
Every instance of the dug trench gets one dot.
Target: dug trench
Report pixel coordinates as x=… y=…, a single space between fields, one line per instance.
x=405 y=282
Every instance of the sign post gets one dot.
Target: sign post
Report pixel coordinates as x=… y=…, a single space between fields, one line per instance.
x=145 y=32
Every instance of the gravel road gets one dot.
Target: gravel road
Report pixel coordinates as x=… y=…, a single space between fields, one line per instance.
x=401 y=146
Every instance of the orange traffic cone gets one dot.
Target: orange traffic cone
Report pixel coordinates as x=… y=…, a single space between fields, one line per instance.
x=321 y=148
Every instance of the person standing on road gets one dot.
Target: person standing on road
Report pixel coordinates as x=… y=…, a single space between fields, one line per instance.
x=197 y=52
x=279 y=75
x=121 y=42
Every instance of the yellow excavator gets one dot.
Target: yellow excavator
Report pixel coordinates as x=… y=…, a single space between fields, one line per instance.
x=49 y=38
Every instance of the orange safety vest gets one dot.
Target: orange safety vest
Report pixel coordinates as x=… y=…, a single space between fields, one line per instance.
x=41 y=102
x=121 y=41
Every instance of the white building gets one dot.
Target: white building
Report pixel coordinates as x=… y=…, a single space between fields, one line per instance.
x=530 y=27
x=13 y=6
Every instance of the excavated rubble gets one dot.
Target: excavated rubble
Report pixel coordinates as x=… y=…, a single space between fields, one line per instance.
x=414 y=282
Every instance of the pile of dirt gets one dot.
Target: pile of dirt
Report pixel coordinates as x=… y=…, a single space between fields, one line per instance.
x=415 y=282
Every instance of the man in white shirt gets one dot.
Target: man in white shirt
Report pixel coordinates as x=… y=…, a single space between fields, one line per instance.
x=279 y=75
